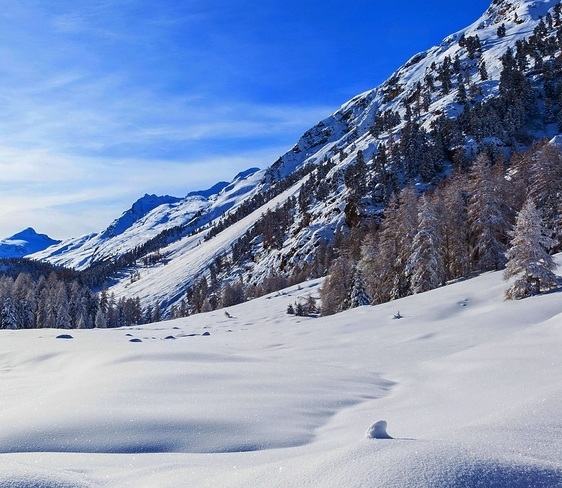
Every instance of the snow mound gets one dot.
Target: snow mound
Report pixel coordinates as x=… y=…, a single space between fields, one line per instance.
x=378 y=430
x=20 y=475
x=445 y=465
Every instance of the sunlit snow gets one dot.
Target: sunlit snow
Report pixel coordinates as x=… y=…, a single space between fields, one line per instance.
x=468 y=384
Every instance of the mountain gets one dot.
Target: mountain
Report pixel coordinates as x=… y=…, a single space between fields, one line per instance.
x=149 y=217
x=24 y=243
x=494 y=87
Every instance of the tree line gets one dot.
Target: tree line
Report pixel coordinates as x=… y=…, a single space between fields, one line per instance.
x=475 y=221
x=30 y=300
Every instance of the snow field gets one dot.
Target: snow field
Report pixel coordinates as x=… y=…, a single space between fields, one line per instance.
x=468 y=383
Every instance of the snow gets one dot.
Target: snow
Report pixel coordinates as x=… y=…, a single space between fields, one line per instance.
x=468 y=384
x=25 y=242
x=148 y=217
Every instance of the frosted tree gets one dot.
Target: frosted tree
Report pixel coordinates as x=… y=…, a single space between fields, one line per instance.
x=7 y=315
x=24 y=301
x=487 y=217
x=425 y=264
x=359 y=294
x=100 y=320
x=528 y=261
x=546 y=188
x=61 y=307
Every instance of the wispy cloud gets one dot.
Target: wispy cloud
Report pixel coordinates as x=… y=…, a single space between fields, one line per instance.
x=101 y=101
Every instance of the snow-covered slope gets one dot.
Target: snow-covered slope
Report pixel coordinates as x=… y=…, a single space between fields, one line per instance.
x=151 y=215
x=25 y=242
x=348 y=128
x=188 y=259
x=468 y=383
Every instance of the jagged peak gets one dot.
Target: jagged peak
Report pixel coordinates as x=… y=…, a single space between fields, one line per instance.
x=518 y=11
x=139 y=209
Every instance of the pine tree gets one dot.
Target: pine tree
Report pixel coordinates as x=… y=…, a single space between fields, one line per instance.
x=483 y=71
x=359 y=294
x=528 y=260
x=461 y=94
x=425 y=264
x=7 y=315
x=100 y=320
x=501 y=31
x=156 y=313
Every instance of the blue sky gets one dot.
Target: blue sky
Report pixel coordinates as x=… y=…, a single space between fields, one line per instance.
x=102 y=101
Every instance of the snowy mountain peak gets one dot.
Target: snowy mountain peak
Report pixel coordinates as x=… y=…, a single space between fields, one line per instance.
x=517 y=12
x=152 y=217
x=25 y=242
x=245 y=174
x=139 y=209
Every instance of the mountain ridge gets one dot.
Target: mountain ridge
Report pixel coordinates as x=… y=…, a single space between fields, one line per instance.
x=429 y=118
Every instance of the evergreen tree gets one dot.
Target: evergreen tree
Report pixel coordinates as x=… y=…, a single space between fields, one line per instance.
x=7 y=315
x=425 y=264
x=501 y=31
x=156 y=313
x=100 y=320
x=483 y=71
x=359 y=294
x=528 y=260
x=461 y=94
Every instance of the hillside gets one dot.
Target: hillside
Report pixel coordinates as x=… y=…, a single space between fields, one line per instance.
x=494 y=88
x=152 y=217
x=468 y=383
